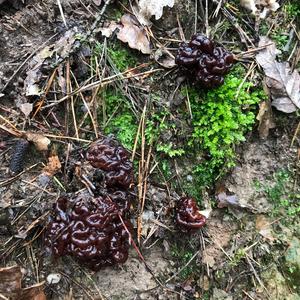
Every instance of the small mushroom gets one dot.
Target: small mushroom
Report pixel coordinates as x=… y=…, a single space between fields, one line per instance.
x=107 y=155
x=188 y=216
x=204 y=61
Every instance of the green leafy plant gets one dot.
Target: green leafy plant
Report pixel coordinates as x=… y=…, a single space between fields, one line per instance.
x=292 y=9
x=221 y=118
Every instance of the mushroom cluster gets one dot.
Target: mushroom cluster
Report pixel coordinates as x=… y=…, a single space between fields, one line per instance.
x=108 y=156
x=204 y=60
x=188 y=217
x=90 y=230
x=96 y=230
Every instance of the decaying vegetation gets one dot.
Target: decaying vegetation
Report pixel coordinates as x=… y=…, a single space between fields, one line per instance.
x=76 y=72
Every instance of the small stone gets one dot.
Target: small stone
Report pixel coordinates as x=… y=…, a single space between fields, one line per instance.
x=53 y=278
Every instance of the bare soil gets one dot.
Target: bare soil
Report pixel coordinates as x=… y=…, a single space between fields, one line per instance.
x=27 y=198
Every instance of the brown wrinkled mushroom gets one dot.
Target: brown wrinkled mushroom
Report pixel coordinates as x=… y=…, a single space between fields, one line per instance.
x=90 y=230
x=107 y=155
x=206 y=62
x=188 y=216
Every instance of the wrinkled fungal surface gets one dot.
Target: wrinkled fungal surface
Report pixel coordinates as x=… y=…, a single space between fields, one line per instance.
x=107 y=155
x=206 y=62
x=90 y=229
x=188 y=216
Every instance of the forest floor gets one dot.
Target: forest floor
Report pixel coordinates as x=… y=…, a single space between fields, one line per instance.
x=232 y=148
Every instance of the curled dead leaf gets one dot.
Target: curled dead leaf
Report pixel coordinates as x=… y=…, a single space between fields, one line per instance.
x=260 y=7
x=10 y=285
x=265 y=118
x=226 y=198
x=110 y=29
x=26 y=108
x=53 y=165
x=264 y=228
x=282 y=82
x=163 y=58
x=97 y=2
x=149 y=8
x=134 y=34
x=40 y=141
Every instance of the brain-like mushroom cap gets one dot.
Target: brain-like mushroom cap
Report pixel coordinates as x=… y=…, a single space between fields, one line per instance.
x=188 y=216
x=107 y=155
x=205 y=61
x=90 y=230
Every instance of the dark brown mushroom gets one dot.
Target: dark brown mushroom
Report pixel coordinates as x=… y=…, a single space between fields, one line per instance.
x=204 y=61
x=188 y=216
x=90 y=230
x=107 y=155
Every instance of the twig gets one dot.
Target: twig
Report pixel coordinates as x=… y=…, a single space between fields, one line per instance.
x=62 y=13
x=102 y=83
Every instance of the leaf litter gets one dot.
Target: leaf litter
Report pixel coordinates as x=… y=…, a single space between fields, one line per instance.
x=282 y=82
x=218 y=235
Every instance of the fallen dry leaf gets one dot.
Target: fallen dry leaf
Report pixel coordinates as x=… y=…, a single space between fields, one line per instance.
x=260 y=7
x=10 y=286
x=53 y=165
x=226 y=198
x=26 y=108
x=34 y=74
x=265 y=119
x=163 y=58
x=264 y=228
x=41 y=142
x=149 y=8
x=283 y=84
x=10 y=281
x=134 y=34
x=97 y=2
x=109 y=29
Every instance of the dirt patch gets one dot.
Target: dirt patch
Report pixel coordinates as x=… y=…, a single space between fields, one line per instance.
x=220 y=235
x=228 y=259
x=259 y=161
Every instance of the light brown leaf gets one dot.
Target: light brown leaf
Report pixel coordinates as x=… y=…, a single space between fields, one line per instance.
x=283 y=84
x=134 y=34
x=10 y=281
x=53 y=165
x=10 y=285
x=108 y=30
x=26 y=108
x=163 y=58
x=265 y=118
x=149 y=8
x=264 y=228
x=41 y=142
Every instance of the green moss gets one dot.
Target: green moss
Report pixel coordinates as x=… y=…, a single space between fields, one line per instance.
x=117 y=118
x=282 y=194
x=183 y=255
x=119 y=56
x=221 y=118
